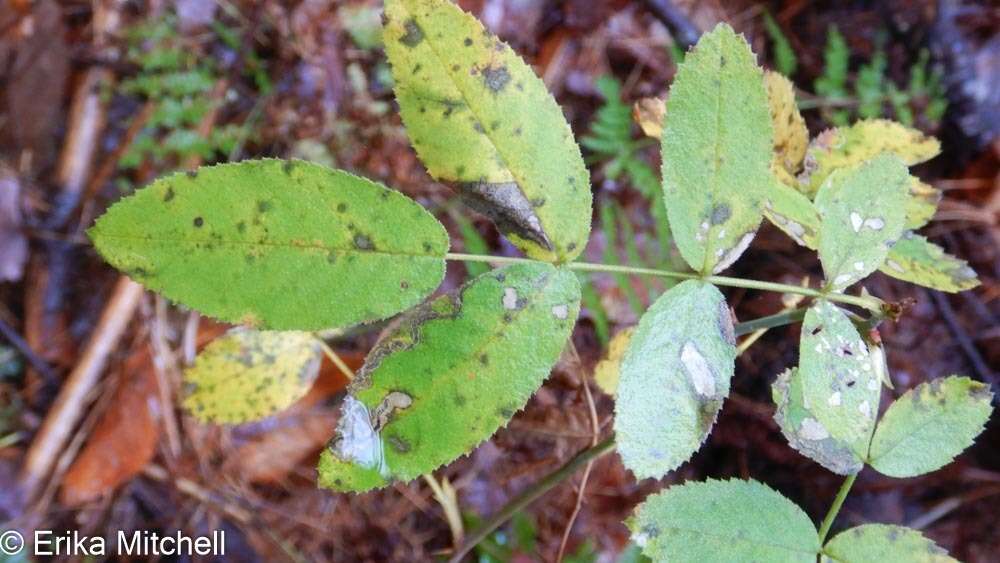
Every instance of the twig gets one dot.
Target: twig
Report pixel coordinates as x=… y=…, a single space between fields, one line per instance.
x=22 y=346
x=964 y=341
x=70 y=403
x=165 y=367
x=532 y=494
x=681 y=28
x=595 y=429
x=198 y=492
x=445 y=496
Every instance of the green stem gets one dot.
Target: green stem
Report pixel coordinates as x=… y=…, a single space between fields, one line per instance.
x=835 y=507
x=771 y=321
x=527 y=497
x=872 y=304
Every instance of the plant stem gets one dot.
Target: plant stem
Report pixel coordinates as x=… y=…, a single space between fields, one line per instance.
x=872 y=304
x=530 y=495
x=783 y=318
x=835 y=507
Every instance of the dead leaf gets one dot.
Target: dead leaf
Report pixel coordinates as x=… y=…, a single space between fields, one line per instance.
x=123 y=440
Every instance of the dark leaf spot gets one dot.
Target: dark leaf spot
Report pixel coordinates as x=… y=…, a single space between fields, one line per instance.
x=496 y=78
x=362 y=242
x=720 y=213
x=413 y=36
x=198 y=222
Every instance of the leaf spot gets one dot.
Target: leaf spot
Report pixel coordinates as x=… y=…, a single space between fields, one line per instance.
x=698 y=370
x=510 y=298
x=496 y=78
x=834 y=400
x=812 y=430
x=413 y=36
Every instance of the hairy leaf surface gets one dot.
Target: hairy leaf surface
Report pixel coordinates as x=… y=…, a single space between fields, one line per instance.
x=929 y=425
x=716 y=151
x=793 y=213
x=276 y=244
x=674 y=378
x=885 y=544
x=248 y=374
x=917 y=260
x=841 y=379
x=862 y=218
x=723 y=521
x=848 y=146
x=450 y=374
x=804 y=432
x=481 y=120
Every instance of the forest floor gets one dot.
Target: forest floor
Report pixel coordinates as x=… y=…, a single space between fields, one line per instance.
x=99 y=98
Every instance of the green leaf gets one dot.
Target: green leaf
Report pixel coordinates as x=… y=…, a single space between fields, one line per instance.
x=915 y=259
x=481 y=120
x=276 y=244
x=885 y=544
x=929 y=425
x=248 y=374
x=453 y=371
x=862 y=218
x=723 y=521
x=841 y=379
x=804 y=432
x=716 y=151
x=673 y=378
x=848 y=146
x=793 y=213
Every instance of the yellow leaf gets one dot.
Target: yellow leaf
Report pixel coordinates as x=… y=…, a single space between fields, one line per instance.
x=248 y=375
x=649 y=113
x=790 y=134
x=607 y=370
x=846 y=146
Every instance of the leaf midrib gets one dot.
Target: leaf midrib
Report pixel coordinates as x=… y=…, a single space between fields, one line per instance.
x=267 y=244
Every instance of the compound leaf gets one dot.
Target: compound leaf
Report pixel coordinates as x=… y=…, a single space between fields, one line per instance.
x=841 y=378
x=843 y=147
x=481 y=120
x=804 y=432
x=708 y=521
x=248 y=374
x=674 y=377
x=450 y=374
x=883 y=543
x=791 y=138
x=917 y=260
x=929 y=425
x=861 y=209
x=716 y=151
x=276 y=244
